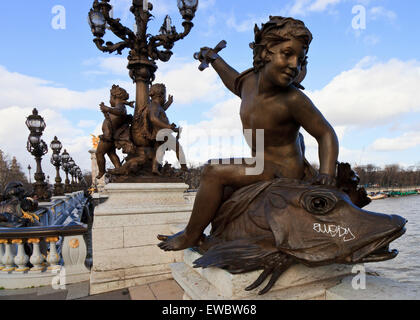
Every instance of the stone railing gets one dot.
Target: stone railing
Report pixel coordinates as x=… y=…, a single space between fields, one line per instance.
x=29 y=256
x=56 y=251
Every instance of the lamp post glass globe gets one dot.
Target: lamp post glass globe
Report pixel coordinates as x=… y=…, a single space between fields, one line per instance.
x=187 y=8
x=56 y=145
x=56 y=157
x=34 y=140
x=71 y=163
x=65 y=156
x=97 y=23
x=35 y=122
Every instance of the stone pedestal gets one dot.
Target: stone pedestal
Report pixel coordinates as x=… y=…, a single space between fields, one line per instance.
x=297 y=283
x=125 y=251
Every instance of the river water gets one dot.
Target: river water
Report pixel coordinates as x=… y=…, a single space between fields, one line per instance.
x=406 y=266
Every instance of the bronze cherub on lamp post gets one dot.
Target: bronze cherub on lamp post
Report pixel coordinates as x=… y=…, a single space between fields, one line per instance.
x=141 y=60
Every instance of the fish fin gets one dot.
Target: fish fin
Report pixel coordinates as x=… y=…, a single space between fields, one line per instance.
x=236 y=256
x=275 y=206
x=277 y=271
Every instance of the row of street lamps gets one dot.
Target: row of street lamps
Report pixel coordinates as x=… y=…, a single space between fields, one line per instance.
x=38 y=148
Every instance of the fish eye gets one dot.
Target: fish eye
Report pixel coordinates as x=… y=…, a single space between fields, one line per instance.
x=318 y=202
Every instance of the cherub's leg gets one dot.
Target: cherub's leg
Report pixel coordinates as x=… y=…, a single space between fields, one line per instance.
x=112 y=154
x=101 y=150
x=208 y=199
x=157 y=159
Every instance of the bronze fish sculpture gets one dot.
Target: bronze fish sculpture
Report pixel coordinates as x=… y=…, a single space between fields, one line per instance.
x=271 y=225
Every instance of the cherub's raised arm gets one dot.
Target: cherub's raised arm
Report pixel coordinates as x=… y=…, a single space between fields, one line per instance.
x=225 y=71
x=118 y=111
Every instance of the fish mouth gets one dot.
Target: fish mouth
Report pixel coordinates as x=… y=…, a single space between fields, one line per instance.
x=377 y=250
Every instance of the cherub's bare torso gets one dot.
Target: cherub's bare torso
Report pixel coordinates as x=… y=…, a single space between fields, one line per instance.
x=281 y=131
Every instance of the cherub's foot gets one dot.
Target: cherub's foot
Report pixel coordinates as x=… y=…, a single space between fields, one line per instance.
x=178 y=241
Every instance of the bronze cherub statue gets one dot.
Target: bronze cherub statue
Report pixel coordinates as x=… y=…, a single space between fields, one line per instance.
x=116 y=119
x=288 y=212
x=143 y=158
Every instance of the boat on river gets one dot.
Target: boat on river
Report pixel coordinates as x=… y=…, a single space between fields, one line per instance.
x=377 y=196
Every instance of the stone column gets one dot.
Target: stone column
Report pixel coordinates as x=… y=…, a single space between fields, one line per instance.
x=125 y=251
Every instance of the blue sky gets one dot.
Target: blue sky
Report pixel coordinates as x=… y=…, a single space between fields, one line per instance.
x=365 y=81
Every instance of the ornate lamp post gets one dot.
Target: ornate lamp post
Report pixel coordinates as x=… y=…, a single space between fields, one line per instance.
x=37 y=147
x=65 y=157
x=76 y=177
x=29 y=169
x=56 y=161
x=143 y=46
x=71 y=164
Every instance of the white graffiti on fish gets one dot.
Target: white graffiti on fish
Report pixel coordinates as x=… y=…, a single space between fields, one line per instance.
x=334 y=230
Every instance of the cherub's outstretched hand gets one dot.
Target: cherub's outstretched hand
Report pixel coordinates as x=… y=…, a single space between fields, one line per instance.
x=103 y=107
x=207 y=54
x=169 y=102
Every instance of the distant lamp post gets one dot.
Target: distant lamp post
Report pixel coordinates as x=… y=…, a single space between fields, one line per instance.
x=29 y=169
x=76 y=183
x=38 y=148
x=72 y=164
x=56 y=161
x=65 y=157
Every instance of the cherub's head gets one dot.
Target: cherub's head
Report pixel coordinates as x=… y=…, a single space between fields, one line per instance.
x=274 y=32
x=118 y=93
x=158 y=91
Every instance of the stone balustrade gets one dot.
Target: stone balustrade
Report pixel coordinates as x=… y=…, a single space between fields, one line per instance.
x=29 y=256
x=55 y=249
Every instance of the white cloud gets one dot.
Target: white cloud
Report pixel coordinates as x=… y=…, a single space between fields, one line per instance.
x=28 y=92
x=188 y=84
x=181 y=77
x=381 y=12
x=370 y=94
x=245 y=25
x=371 y=40
x=405 y=141
x=218 y=137
x=303 y=7
x=321 y=5
x=298 y=7
x=87 y=123
x=114 y=65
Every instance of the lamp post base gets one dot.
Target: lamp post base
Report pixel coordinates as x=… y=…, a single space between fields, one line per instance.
x=58 y=189
x=42 y=192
